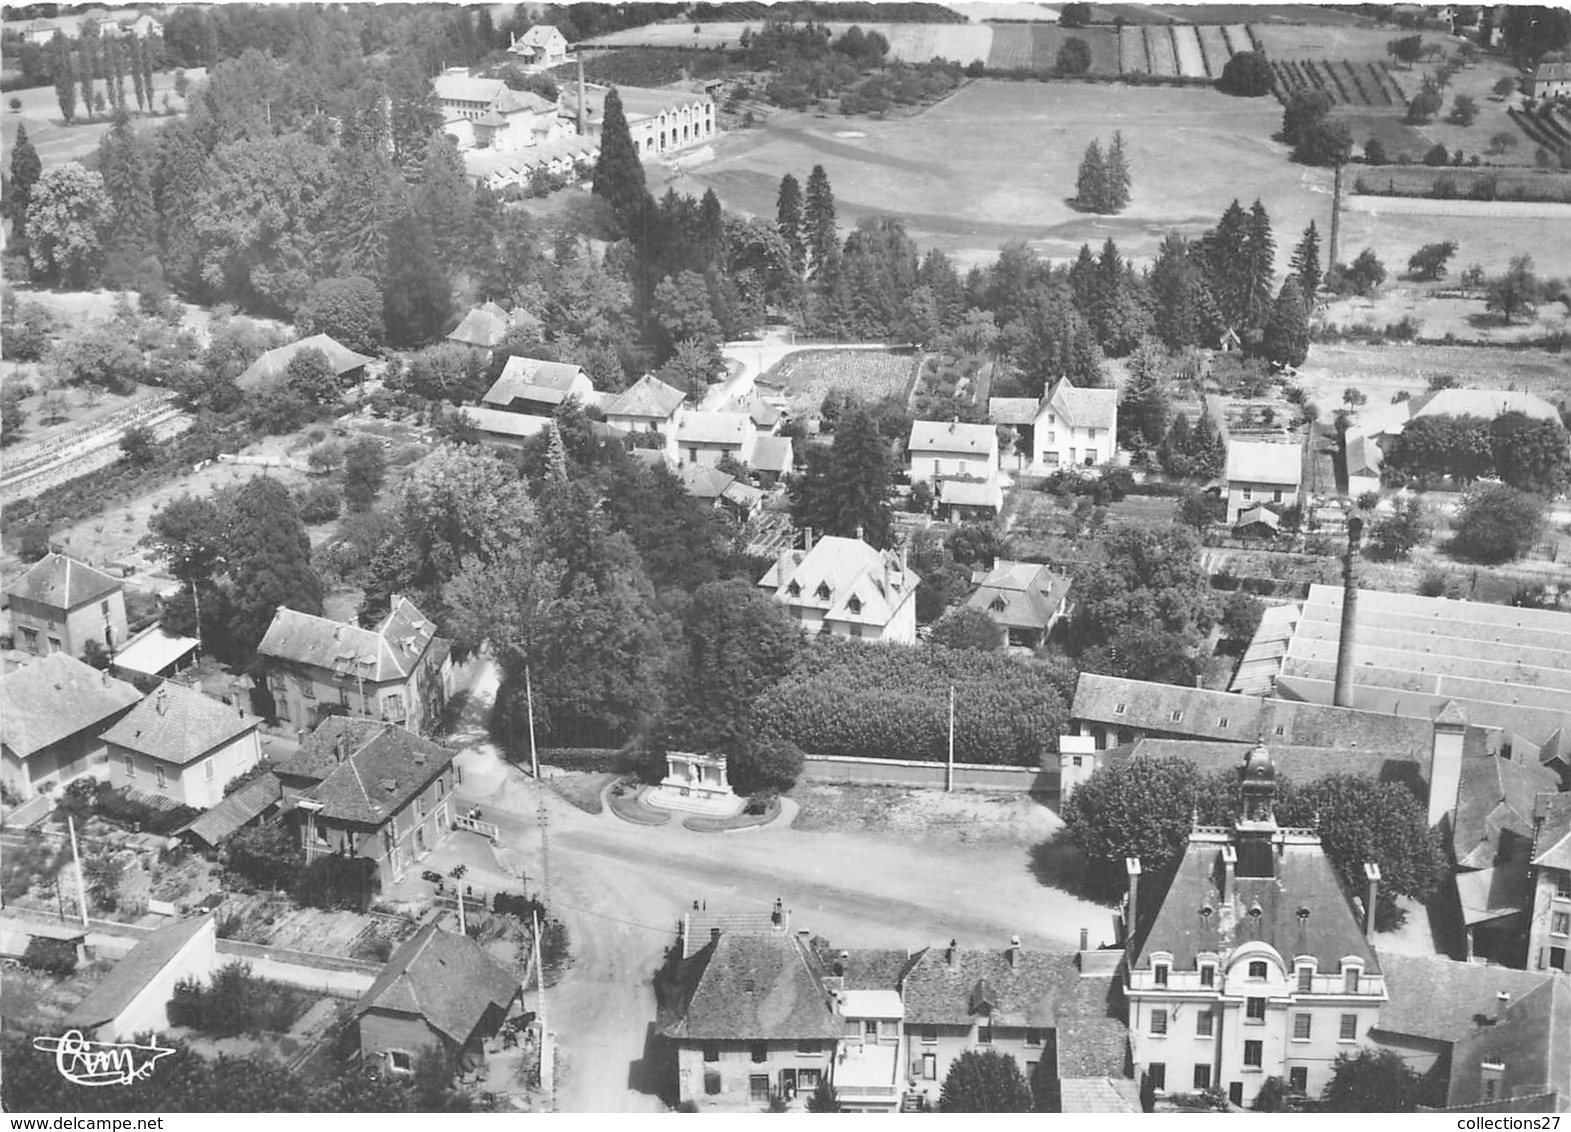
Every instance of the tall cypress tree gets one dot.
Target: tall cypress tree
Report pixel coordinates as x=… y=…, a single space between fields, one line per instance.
x=1286 y=341
x=25 y=168
x=711 y=230
x=1091 y=181
x=65 y=77
x=269 y=556
x=1306 y=263
x=114 y=77
x=134 y=49
x=619 y=173
x=87 y=63
x=360 y=210
x=146 y=55
x=1117 y=175
x=818 y=221
x=788 y=218
x=1227 y=269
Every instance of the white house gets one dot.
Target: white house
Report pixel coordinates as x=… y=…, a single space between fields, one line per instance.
x=181 y=745
x=1069 y=426
x=134 y=997
x=660 y=121
x=648 y=407
x=703 y=438
x=488 y=114
x=943 y=449
x=1262 y=473
x=542 y=46
x=844 y=587
x=1552 y=80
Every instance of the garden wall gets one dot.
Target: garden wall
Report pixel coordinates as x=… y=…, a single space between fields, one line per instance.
x=928 y=775
x=327 y=974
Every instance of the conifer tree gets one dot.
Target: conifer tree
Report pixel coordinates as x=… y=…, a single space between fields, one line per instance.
x=443 y=199
x=1117 y=193
x=25 y=168
x=1091 y=182
x=360 y=211
x=135 y=48
x=1286 y=341
x=619 y=174
x=711 y=231
x=269 y=557
x=1260 y=256
x=147 y=73
x=818 y=221
x=1175 y=285
x=1306 y=263
x=1227 y=276
x=788 y=218
x=65 y=77
x=87 y=63
x=846 y=488
x=128 y=179
x=114 y=78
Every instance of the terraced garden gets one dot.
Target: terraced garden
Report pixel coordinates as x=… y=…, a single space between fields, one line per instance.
x=1548 y=125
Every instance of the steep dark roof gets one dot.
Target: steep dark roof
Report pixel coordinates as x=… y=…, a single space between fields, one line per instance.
x=647 y=397
x=1028 y=993
x=1532 y=1042
x=63 y=583
x=224 y=820
x=1552 y=844
x=1443 y=1000
x=179 y=725
x=866 y=968
x=274 y=364
x=389 y=652
x=54 y=698
x=131 y=975
x=1022 y=595
x=753 y=986
x=1303 y=878
x=1494 y=810
x=365 y=771
x=1298 y=764
x=446 y=979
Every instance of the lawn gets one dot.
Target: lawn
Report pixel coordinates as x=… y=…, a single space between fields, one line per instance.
x=997 y=162
x=1464 y=319
x=1383 y=371
x=58 y=143
x=870 y=375
x=582 y=790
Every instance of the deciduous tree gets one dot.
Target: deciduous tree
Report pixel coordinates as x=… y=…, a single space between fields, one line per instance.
x=25 y=170
x=967 y=628
x=1372 y=1081
x=985 y=1081
x=67 y=217
x=1498 y=523
x=1531 y=454
x=1429 y=261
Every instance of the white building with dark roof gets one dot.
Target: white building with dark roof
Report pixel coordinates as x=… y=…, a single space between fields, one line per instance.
x=134 y=997
x=182 y=746
x=1261 y=473
x=536 y=387
x=704 y=438
x=1026 y=599
x=843 y=587
x=649 y=407
x=60 y=604
x=1075 y=426
x=541 y=47
x=53 y=713
x=660 y=121
x=273 y=365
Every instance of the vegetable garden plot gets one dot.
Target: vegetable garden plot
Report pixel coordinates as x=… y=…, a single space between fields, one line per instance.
x=1214 y=44
x=1159 y=46
x=1011 y=49
x=1132 y=52
x=1186 y=45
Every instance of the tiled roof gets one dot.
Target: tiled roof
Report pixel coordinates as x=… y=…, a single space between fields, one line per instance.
x=1552 y=846
x=1485 y=403
x=445 y=978
x=753 y=986
x=1488 y=723
x=1300 y=765
x=389 y=652
x=1258 y=514
x=1257 y=462
x=63 y=583
x=851 y=572
x=1021 y=595
x=485 y=326
x=1012 y=410
x=774 y=454
x=703 y=481
x=713 y=428
x=1304 y=879
x=530 y=379
x=365 y=771
x=131 y=976
x=1532 y=1043
x=55 y=697
x=865 y=968
x=1098 y=1095
x=1492 y=893
x=272 y=365
x=1084 y=408
x=971 y=493
x=540 y=35
x=760 y=412
x=179 y=725
x=1494 y=810
x=648 y=397
x=953 y=437
x=1443 y=1000
x=501 y=422
x=981 y=983
x=224 y=820
x=467 y=88
x=1553 y=72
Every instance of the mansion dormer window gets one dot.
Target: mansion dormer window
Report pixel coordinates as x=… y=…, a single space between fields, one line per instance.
x=1306 y=979
x=794 y=589
x=1207 y=975
x=1350 y=978
x=1257 y=969
x=854 y=605
x=823 y=591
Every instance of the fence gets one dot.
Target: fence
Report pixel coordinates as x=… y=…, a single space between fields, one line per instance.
x=905 y=772
x=327 y=974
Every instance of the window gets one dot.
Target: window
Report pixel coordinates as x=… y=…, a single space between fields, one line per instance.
x=760 y=1052
x=1560 y=923
x=1033 y=1037
x=1301 y=1027
x=30 y=636
x=1156 y=1073
x=1257 y=969
x=1298 y=1079
x=1276 y=495
x=1255 y=1009
x=1350 y=980
x=1348 y=1031
x=1222 y=722
x=208 y=770
x=104 y=608
x=308 y=689
x=419 y=806
x=1489 y=1080
x=1202 y=1078
x=929 y=1067
x=929 y=1035
x=1249 y=493
x=854 y=605
x=711 y=1054
x=711 y=1083
x=856 y=631
x=984 y=1035
x=823 y=591
x=1281 y=729
x=1205 y=1023
x=1161 y=974
x=399 y=1061
x=1090 y=434
x=809 y=1047
x=1077 y=759
x=54 y=644
x=1254 y=1054
x=130 y=767
x=1557 y=958
x=1207 y=975
x=1563 y=884
x=758 y=1087
x=870 y=1030
x=158 y=772
x=1306 y=979
x=1119 y=709
x=1176 y=715
x=1159 y=1023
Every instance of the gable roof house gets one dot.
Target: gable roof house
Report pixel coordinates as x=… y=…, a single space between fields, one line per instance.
x=60 y=604
x=1552 y=80
x=134 y=997
x=961 y=460
x=367 y=789
x=1026 y=599
x=1075 y=426
x=486 y=327
x=706 y=437
x=1549 y=933
x=401 y=671
x=536 y=388
x=844 y=587
x=1523 y=1062
x=52 y=714
x=181 y=746
x=439 y=990
x=1262 y=473
x=271 y=367
x=542 y=46
x=648 y=410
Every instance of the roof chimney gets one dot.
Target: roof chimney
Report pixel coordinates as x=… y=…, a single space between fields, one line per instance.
x=1502 y=1004
x=777 y=917
x=952 y=954
x=1371 y=895
x=1229 y=877
x=160 y=701
x=1132 y=866
x=860 y=531
x=1012 y=952
x=807 y=539
x=1343 y=694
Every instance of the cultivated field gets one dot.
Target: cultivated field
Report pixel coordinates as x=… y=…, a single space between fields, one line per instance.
x=1381 y=372
x=997 y=162
x=807 y=376
x=1321 y=41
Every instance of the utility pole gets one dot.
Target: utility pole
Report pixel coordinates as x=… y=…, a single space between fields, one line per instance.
x=529 y=699
x=547 y=1053
x=1336 y=217
x=540 y=812
x=949 y=769
x=81 y=887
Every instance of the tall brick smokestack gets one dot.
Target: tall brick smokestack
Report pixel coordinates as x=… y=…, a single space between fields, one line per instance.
x=1343 y=695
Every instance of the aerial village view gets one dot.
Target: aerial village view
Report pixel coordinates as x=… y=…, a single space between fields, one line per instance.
x=979 y=557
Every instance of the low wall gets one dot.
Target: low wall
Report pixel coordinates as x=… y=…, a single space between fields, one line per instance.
x=327 y=974
x=906 y=772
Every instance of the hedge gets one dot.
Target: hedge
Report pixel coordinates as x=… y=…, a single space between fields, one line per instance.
x=592 y=760
x=845 y=698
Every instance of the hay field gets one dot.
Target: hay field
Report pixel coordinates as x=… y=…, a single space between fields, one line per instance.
x=1191 y=60
x=1011 y=49
x=872 y=376
x=1322 y=42
x=1214 y=44
x=1159 y=46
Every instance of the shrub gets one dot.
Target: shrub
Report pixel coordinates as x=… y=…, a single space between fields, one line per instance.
x=767 y=765
x=319 y=503
x=235 y=1002
x=50 y=956
x=1498 y=523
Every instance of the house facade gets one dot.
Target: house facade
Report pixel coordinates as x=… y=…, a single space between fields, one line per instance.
x=53 y=713
x=707 y=438
x=541 y=47
x=60 y=604
x=1253 y=964
x=400 y=672
x=941 y=449
x=659 y=121
x=648 y=410
x=368 y=789
x=182 y=745
x=843 y=587
x=536 y=388
x=134 y=997
x=1026 y=599
x=1549 y=929
x=1076 y=427
x=1552 y=80
x=1262 y=474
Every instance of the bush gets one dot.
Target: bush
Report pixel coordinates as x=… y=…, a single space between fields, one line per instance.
x=1247 y=74
x=1498 y=523
x=235 y=1002
x=767 y=765
x=50 y=956
x=319 y=503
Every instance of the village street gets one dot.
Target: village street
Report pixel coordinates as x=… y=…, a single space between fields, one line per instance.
x=622 y=888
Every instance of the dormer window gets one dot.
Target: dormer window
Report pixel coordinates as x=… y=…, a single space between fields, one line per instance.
x=1306 y=979
x=1176 y=715
x=854 y=605
x=1222 y=723
x=794 y=589
x=1119 y=710
x=1160 y=974
x=1350 y=978
x=1257 y=969
x=823 y=591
